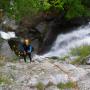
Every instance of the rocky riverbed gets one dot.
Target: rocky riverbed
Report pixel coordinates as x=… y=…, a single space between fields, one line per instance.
x=44 y=75
x=84 y=83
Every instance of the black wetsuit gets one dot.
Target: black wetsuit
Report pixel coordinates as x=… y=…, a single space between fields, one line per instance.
x=26 y=50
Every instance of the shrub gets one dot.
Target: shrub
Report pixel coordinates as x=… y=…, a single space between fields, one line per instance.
x=66 y=85
x=40 y=86
x=81 y=52
x=4 y=79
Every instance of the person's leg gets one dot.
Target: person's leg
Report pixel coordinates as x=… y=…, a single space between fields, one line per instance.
x=24 y=56
x=29 y=54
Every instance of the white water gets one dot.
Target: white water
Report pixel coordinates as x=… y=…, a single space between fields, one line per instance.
x=65 y=42
x=7 y=35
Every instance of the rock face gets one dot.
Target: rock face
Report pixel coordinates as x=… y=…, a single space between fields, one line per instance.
x=60 y=25
x=9 y=24
x=27 y=76
x=1 y=41
x=6 y=51
x=45 y=31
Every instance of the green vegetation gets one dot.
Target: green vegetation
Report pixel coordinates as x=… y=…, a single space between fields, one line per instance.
x=72 y=8
x=40 y=86
x=14 y=59
x=5 y=4
x=18 y=9
x=67 y=85
x=4 y=79
x=49 y=84
x=81 y=52
x=2 y=60
x=64 y=57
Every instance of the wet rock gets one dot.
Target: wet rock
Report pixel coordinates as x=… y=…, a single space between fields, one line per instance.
x=88 y=61
x=1 y=41
x=9 y=24
x=1 y=88
x=26 y=75
x=6 y=51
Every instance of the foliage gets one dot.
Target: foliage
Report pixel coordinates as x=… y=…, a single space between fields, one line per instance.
x=46 y=5
x=40 y=86
x=29 y=8
x=86 y=3
x=20 y=9
x=4 y=79
x=81 y=52
x=4 y=4
x=64 y=57
x=49 y=84
x=67 y=85
x=87 y=8
x=2 y=60
x=72 y=8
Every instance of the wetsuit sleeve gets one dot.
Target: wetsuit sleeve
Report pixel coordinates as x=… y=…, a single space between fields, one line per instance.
x=30 y=48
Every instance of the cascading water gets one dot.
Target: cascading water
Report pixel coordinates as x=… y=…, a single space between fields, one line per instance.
x=7 y=35
x=64 y=42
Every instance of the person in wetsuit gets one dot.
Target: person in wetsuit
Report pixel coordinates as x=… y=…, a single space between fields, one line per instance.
x=25 y=49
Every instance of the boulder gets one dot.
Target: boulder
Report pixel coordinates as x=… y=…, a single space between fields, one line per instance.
x=6 y=51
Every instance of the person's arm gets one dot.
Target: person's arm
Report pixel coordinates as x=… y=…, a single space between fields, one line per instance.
x=30 y=48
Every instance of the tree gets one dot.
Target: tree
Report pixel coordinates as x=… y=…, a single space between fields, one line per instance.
x=21 y=8
x=72 y=8
x=4 y=4
x=18 y=9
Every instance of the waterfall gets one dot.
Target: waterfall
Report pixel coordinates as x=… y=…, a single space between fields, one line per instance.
x=64 y=42
x=7 y=35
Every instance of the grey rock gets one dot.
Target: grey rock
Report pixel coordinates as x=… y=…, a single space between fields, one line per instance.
x=84 y=83
x=88 y=61
x=6 y=51
x=52 y=88
x=9 y=23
